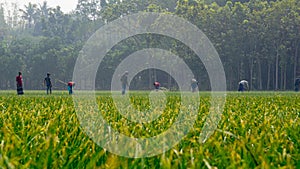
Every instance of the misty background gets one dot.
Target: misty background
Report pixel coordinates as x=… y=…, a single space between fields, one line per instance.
x=257 y=40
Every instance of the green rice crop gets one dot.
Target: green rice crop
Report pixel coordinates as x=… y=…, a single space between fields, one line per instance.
x=257 y=130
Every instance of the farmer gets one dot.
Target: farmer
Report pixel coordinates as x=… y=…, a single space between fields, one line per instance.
x=124 y=81
x=194 y=84
x=70 y=87
x=47 y=82
x=243 y=85
x=297 y=84
x=156 y=85
x=19 y=81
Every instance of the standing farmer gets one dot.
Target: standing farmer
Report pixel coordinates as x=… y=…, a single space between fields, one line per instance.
x=124 y=82
x=19 y=81
x=47 y=82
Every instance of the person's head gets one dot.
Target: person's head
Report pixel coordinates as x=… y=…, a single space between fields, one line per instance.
x=126 y=72
x=48 y=74
x=20 y=73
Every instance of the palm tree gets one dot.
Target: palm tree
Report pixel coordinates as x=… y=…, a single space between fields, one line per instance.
x=44 y=10
x=30 y=13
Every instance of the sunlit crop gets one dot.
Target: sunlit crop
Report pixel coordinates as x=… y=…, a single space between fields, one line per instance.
x=256 y=130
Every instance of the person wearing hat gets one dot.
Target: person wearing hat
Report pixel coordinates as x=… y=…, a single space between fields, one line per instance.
x=47 y=82
x=243 y=85
x=194 y=85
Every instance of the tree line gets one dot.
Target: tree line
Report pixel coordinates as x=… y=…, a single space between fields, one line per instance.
x=257 y=40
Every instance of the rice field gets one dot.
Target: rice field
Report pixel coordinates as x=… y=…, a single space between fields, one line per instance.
x=256 y=130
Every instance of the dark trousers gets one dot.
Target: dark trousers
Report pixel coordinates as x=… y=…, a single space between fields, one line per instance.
x=49 y=89
x=123 y=89
x=296 y=88
x=70 y=89
x=20 y=90
x=241 y=88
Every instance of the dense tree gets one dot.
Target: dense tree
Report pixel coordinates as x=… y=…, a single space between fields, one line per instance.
x=256 y=40
x=3 y=25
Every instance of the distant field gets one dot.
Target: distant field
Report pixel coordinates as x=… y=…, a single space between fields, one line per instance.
x=257 y=129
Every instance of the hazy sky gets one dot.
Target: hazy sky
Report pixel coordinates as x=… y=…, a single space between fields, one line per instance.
x=66 y=5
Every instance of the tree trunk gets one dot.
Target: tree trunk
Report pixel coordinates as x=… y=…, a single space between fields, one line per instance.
x=284 y=80
x=155 y=75
x=251 y=73
x=259 y=74
x=277 y=70
x=269 y=76
x=150 y=79
x=239 y=71
x=296 y=61
x=281 y=78
x=295 y=67
x=169 y=81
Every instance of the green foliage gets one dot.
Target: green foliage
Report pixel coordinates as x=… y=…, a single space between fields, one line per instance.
x=257 y=130
x=256 y=40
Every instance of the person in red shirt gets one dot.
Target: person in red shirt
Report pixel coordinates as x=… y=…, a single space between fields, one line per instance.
x=19 y=81
x=156 y=85
x=70 y=87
